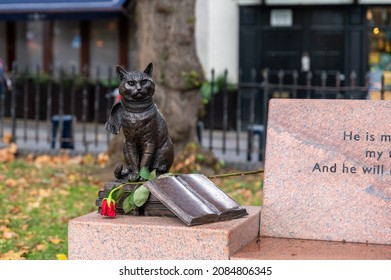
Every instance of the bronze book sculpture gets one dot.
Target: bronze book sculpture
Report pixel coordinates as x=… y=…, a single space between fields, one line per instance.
x=195 y=199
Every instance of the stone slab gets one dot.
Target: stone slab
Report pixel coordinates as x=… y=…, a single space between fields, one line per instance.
x=337 y=201
x=93 y=237
x=267 y=248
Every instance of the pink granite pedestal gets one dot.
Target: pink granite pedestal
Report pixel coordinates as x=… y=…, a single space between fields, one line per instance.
x=93 y=237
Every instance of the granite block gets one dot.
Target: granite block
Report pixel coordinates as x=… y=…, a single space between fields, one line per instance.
x=328 y=171
x=93 y=237
x=267 y=248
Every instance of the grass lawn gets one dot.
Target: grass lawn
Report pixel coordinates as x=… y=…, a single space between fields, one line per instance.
x=38 y=196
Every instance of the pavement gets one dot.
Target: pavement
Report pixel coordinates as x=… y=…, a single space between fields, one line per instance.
x=37 y=138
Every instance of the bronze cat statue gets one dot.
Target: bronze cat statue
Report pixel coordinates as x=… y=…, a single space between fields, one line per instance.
x=147 y=142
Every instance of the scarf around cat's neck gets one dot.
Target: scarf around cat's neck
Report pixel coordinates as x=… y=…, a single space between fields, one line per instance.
x=138 y=107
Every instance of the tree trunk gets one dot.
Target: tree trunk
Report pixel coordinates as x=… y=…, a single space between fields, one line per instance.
x=165 y=37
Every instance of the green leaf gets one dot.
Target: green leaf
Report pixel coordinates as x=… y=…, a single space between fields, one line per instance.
x=117 y=194
x=144 y=173
x=128 y=204
x=141 y=195
x=153 y=175
x=200 y=157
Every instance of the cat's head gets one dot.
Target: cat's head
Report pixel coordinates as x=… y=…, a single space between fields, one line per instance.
x=136 y=86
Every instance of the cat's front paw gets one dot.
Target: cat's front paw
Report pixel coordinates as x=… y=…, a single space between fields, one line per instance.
x=120 y=172
x=134 y=176
x=112 y=127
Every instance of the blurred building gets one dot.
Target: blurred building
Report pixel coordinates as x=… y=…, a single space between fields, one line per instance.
x=303 y=35
x=67 y=33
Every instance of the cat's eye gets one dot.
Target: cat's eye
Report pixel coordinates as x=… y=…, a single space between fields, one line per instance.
x=131 y=83
x=143 y=82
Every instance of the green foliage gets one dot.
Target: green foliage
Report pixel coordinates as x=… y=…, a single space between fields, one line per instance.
x=66 y=79
x=141 y=195
x=208 y=90
x=144 y=173
x=109 y=83
x=128 y=204
x=163 y=61
x=191 y=21
x=191 y=79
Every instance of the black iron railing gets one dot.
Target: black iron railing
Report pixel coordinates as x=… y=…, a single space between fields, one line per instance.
x=46 y=108
x=238 y=124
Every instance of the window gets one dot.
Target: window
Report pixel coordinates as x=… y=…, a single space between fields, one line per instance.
x=379 y=57
x=66 y=45
x=3 y=47
x=379 y=35
x=132 y=43
x=30 y=44
x=104 y=46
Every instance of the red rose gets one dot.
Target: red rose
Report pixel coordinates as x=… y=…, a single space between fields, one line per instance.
x=108 y=210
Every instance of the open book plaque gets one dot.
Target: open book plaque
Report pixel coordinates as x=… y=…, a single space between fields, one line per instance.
x=195 y=199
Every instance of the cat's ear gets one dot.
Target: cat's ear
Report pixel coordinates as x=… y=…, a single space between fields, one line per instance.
x=149 y=70
x=121 y=72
